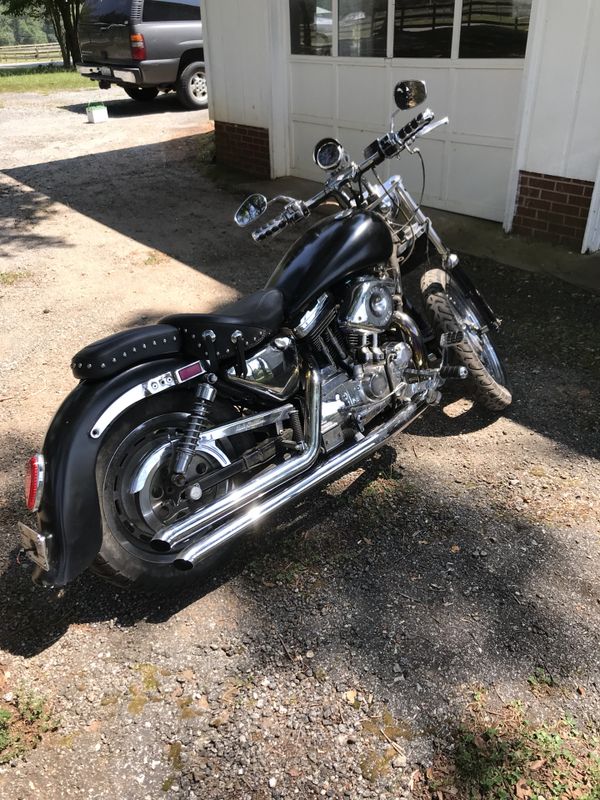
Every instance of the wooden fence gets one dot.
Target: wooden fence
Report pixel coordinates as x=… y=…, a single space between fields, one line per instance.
x=30 y=52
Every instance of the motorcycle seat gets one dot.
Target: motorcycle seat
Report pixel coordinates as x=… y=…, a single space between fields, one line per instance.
x=114 y=354
x=256 y=317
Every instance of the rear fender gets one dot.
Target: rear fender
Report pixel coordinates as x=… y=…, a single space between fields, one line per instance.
x=70 y=510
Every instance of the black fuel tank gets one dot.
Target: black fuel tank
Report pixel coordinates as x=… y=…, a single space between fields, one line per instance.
x=330 y=251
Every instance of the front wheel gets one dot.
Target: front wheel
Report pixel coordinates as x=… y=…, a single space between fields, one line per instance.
x=451 y=310
x=142 y=94
x=192 y=88
x=144 y=438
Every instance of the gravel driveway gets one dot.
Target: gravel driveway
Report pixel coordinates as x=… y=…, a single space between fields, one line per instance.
x=338 y=658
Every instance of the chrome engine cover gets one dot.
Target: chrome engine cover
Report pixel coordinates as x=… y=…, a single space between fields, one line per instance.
x=345 y=399
x=368 y=305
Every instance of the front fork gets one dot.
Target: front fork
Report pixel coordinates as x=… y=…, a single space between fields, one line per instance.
x=421 y=224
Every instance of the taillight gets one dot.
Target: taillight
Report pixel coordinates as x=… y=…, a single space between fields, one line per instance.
x=34 y=482
x=138 y=47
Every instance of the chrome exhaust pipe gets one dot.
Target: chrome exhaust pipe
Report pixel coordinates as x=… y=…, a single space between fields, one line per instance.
x=208 y=544
x=175 y=534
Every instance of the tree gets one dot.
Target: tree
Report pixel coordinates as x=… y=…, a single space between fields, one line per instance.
x=64 y=16
x=7 y=33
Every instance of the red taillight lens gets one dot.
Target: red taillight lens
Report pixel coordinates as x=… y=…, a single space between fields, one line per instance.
x=138 y=47
x=34 y=481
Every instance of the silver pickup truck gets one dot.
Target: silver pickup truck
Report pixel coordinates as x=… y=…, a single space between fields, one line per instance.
x=145 y=46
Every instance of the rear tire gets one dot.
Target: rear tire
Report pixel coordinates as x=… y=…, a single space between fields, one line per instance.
x=126 y=557
x=140 y=93
x=451 y=310
x=192 y=89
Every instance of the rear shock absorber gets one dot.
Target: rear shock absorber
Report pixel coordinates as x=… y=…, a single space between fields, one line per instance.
x=197 y=423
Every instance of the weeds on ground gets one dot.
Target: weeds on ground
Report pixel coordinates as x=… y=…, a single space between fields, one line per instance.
x=512 y=757
x=23 y=722
x=12 y=277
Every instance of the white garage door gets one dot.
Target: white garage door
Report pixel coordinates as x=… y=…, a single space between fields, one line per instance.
x=346 y=56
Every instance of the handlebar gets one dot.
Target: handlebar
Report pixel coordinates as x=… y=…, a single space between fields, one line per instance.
x=387 y=146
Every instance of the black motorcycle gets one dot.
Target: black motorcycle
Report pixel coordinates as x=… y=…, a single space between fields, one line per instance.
x=182 y=435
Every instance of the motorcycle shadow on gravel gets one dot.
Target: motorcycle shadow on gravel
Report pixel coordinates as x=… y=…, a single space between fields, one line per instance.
x=378 y=572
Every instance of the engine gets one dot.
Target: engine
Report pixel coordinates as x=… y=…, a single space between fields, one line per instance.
x=362 y=371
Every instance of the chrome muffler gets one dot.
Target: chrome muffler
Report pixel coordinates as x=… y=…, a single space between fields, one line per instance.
x=211 y=542
x=253 y=490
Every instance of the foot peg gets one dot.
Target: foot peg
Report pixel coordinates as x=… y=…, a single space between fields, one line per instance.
x=457 y=373
x=452 y=338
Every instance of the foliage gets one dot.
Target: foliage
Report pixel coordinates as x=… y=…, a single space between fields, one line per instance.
x=23 y=721
x=63 y=16
x=513 y=757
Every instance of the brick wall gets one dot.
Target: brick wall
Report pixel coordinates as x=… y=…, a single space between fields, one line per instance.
x=552 y=208
x=243 y=147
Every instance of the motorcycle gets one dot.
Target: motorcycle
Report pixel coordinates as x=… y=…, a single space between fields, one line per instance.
x=180 y=436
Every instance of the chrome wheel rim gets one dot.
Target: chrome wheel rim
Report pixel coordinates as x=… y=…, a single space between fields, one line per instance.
x=140 y=515
x=476 y=332
x=198 y=87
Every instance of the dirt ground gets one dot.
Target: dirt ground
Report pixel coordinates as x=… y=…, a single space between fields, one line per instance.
x=339 y=658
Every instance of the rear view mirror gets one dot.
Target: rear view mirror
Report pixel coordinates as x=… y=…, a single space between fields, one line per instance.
x=409 y=94
x=251 y=209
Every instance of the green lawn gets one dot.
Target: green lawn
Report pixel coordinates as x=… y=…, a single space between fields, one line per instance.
x=44 y=80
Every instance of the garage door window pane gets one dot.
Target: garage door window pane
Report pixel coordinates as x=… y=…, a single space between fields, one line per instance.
x=492 y=29
x=362 y=28
x=423 y=28
x=311 y=27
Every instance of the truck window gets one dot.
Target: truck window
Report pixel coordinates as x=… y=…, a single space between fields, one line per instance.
x=109 y=11
x=168 y=10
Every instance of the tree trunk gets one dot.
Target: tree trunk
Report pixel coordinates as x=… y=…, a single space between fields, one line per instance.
x=69 y=13
x=60 y=35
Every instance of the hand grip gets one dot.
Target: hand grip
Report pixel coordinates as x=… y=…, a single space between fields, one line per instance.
x=414 y=126
x=270 y=228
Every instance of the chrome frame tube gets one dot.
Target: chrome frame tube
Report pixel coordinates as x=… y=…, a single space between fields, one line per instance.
x=175 y=534
x=208 y=544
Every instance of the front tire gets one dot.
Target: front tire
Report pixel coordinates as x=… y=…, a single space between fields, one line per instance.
x=450 y=310
x=192 y=88
x=129 y=521
x=141 y=94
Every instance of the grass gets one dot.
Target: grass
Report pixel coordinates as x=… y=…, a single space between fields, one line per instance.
x=513 y=757
x=42 y=80
x=23 y=721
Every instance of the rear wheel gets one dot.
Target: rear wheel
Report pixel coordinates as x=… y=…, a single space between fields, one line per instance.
x=450 y=310
x=147 y=435
x=140 y=93
x=192 y=88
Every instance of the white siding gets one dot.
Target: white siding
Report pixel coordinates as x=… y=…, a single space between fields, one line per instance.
x=562 y=134
x=238 y=60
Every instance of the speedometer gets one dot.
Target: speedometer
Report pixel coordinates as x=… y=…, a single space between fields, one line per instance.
x=328 y=154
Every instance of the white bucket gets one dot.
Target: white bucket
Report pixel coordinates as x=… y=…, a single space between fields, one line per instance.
x=97 y=112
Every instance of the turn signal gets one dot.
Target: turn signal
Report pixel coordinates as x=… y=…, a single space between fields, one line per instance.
x=34 y=482
x=138 y=47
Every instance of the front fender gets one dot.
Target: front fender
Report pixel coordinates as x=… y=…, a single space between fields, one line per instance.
x=70 y=510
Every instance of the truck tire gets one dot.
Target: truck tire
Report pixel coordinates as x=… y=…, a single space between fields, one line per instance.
x=192 y=89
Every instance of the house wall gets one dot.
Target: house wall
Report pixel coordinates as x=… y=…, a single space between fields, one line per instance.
x=560 y=125
x=243 y=49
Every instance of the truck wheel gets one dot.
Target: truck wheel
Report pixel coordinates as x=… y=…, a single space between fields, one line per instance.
x=192 y=89
x=141 y=93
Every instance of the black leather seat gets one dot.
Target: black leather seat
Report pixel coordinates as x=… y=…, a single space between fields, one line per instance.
x=256 y=316
x=117 y=353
